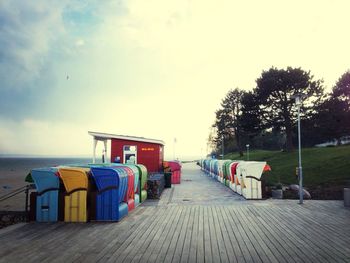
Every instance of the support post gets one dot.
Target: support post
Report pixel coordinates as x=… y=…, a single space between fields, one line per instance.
x=26 y=205
x=301 y=192
x=94 y=150
x=105 y=150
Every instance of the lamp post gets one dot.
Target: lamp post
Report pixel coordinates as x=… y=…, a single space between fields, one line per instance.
x=298 y=102
x=222 y=146
x=175 y=140
x=247 y=151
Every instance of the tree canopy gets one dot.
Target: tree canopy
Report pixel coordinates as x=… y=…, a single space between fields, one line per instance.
x=266 y=116
x=275 y=93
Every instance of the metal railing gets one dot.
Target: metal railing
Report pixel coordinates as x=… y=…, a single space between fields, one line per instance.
x=17 y=191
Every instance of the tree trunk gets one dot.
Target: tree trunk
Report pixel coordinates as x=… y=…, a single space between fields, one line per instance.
x=238 y=141
x=289 y=139
x=338 y=142
x=289 y=132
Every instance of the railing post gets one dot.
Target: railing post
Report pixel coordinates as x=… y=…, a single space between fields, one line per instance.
x=26 y=205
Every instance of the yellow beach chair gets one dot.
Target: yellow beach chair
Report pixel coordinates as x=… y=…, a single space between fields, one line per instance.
x=75 y=181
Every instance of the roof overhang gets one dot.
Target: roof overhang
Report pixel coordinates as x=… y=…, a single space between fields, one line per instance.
x=107 y=136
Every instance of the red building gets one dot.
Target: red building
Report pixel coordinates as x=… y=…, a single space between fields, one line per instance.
x=130 y=149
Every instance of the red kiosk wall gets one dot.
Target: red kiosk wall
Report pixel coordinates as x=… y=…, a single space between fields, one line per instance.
x=149 y=154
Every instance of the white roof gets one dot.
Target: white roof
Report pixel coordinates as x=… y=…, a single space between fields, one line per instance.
x=103 y=136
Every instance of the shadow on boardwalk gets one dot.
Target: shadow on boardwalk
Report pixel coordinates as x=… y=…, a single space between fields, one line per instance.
x=198 y=221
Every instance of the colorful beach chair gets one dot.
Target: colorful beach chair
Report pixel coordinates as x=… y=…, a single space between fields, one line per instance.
x=111 y=184
x=75 y=181
x=47 y=185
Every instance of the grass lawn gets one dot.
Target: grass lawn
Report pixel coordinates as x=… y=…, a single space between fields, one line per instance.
x=321 y=166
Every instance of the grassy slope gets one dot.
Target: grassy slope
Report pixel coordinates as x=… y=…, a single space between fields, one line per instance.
x=320 y=165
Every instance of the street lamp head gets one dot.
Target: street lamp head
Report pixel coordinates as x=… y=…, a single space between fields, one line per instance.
x=299 y=98
x=247 y=145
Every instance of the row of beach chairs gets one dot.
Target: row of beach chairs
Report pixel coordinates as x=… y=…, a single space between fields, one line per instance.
x=243 y=177
x=81 y=193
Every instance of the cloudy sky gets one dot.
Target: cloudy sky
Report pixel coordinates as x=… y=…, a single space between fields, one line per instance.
x=154 y=68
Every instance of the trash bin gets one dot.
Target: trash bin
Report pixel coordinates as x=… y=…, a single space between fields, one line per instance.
x=155 y=186
x=47 y=184
x=167 y=179
x=347 y=197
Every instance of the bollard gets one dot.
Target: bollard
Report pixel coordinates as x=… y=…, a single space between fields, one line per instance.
x=347 y=197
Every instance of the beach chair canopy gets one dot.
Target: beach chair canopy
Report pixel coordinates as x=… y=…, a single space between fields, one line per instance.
x=144 y=175
x=74 y=178
x=136 y=176
x=45 y=179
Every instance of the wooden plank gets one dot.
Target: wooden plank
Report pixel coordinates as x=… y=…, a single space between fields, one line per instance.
x=163 y=252
x=177 y=234
x=200 y=240
x=219 y=236
x=207 y=241
x=249 y=251
x=318 y=220
x=240 y=248
x=194 y=237
x=126 y=237
x=184 y=256
x=317 y=241
x=262 y=245
x=289 y=245
x=232 y=247
x=166 y=235
x=180 y=248
x=226 y=242
x=142 y=254
x=289 y=224
x=213 y=237
x=137 y=240
x=270 y=245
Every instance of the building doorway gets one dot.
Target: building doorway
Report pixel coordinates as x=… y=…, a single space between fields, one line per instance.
x=130 y=154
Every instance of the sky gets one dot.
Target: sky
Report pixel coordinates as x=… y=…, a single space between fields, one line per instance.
x=156 y=69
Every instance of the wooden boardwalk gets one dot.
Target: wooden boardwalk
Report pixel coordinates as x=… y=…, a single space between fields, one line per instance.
x=198 y=221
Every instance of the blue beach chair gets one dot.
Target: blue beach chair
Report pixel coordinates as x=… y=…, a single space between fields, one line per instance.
x=111 y=190
x=47 y=184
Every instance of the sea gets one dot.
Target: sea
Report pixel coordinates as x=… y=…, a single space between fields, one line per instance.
x=37 y=162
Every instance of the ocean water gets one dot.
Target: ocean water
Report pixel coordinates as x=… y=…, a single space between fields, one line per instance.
x=30 y=163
